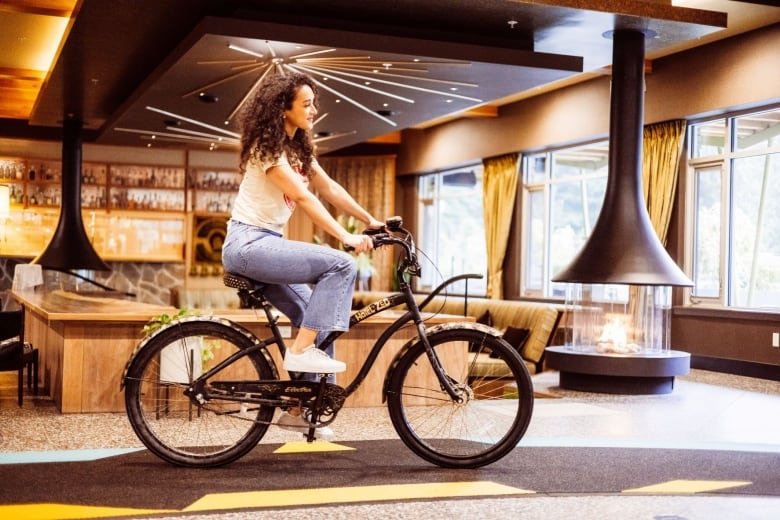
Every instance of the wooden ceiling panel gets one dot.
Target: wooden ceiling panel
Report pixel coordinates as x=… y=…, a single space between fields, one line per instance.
x=29 y=36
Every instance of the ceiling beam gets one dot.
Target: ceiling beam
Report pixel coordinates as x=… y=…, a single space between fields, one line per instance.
x=58 y=8
x=365 y=37
x=22 y=74
x=481 y=111
x=391 y=138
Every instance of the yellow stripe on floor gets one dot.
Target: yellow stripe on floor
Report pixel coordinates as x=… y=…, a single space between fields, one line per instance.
x=341 y=495
x=67 y=512
x=689 y=486
x=311 y=447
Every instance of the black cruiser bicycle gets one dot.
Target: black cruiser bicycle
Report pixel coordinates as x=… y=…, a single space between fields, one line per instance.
x=202 y=391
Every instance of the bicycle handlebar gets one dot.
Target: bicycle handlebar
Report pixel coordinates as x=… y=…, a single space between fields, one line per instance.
x=385 y=236
x=381 y=236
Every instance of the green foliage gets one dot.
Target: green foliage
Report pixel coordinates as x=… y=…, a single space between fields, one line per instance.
x=159 y=321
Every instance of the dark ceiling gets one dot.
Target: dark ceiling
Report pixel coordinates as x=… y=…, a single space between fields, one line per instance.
x=131 y=69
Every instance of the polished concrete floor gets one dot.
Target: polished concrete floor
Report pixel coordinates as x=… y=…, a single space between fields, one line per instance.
x=706 y=411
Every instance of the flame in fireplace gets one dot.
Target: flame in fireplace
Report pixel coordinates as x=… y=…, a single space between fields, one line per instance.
x=614 y=337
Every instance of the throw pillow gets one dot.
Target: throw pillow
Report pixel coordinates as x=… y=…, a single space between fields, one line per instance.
x=515 y=337
x=485 y=319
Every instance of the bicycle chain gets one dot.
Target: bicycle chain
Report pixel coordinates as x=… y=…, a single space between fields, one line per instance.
x=332 y=401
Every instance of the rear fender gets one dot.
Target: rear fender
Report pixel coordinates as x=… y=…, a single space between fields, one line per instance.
x=263 y=347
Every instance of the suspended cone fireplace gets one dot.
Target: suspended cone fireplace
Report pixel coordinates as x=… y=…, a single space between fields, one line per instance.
x=620 y=283
x=70 y=248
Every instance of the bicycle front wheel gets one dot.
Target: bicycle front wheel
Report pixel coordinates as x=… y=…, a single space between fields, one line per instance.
x=195 y=431
x=495 y=406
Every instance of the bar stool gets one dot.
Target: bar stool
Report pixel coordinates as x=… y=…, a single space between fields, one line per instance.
x=17 y=354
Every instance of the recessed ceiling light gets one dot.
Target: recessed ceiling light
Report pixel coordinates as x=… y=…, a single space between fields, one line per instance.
x=207 y=98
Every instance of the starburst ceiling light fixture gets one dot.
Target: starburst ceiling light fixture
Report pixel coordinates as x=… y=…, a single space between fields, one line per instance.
x=336 y=75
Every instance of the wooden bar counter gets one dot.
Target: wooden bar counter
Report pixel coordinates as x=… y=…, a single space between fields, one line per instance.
x=85 y=342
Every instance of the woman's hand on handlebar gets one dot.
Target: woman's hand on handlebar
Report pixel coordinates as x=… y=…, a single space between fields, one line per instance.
x=374 y=228
x=359 y=243
x=375 y=225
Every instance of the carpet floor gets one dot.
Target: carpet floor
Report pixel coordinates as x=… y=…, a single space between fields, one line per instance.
x=366 y=471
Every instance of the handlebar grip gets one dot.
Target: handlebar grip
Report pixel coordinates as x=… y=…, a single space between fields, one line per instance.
x=377 y=238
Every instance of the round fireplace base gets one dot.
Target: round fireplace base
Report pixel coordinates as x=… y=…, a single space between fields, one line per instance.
x=618 y=373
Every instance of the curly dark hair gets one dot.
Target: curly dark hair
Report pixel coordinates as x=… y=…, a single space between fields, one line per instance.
x=262 y=122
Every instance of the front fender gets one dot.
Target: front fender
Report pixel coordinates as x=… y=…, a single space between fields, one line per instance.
x=432 y=333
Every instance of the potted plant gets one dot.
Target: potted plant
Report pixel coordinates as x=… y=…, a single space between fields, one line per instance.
x=180 y=362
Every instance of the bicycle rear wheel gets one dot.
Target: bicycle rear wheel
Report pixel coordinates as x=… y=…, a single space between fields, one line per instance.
x=496 y=407
x=195 y=432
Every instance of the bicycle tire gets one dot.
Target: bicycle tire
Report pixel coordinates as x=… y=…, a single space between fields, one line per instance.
x=477 y=432
x=181 y=430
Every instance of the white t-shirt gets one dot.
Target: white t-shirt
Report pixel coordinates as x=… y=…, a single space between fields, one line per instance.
x=259 y=201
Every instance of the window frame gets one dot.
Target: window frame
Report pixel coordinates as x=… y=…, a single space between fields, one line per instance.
x=545 y=292
x=429 y=253
x=725 y=161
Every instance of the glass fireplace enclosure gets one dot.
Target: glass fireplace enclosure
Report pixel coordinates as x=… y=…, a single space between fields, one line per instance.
x=618 y=319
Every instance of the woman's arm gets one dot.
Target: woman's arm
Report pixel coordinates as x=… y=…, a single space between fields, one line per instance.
x=335 y=193
x=287 y=180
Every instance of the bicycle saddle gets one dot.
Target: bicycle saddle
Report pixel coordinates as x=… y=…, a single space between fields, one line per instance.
x=237 y=281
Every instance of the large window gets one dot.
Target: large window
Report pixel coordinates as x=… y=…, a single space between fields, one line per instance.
x=734 y=175
x=451 y=231
x=563 y=191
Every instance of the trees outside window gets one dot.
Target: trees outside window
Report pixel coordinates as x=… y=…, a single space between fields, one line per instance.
x=734 y=169
x=451 y=229
x=563 y=190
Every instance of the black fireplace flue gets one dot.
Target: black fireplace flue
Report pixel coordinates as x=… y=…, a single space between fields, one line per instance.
x=70 y=249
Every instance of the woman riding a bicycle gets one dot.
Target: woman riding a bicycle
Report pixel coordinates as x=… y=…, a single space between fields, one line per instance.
x=199 y=410
x=312 y=285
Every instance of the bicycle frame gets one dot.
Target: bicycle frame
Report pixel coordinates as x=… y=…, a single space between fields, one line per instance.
x=446 y=424
x=413 y=314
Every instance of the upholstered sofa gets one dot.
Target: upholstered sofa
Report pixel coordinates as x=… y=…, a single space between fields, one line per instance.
x=540 y=319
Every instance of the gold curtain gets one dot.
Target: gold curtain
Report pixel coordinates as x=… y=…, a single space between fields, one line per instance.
x=662 y=145
x=371 y=181
x=499 y=186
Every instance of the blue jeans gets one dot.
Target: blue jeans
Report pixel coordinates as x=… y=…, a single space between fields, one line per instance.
x=310 y=284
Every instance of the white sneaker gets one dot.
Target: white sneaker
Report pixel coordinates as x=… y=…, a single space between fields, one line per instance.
x=312 y=360
x=297 y=423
